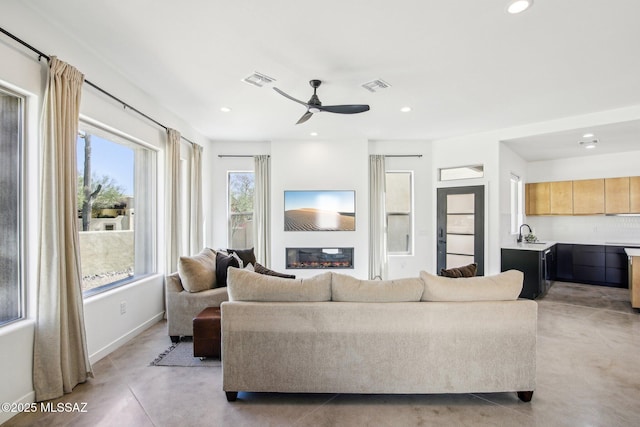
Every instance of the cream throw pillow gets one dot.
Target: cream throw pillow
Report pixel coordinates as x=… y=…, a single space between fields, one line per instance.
x=349 y=289
x=500 y=287
x=198 y=273
x=244 y=285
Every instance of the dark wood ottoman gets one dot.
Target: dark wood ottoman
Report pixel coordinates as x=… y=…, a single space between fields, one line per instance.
x=206 y=333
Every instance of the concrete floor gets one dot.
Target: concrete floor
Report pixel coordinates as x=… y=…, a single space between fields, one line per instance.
x=587 y=375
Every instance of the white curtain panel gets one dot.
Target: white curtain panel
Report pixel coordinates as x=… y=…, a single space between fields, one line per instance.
x=60 y=359
x=377 y=219
x=173 y=200
x=196 y=230
x=262 y=210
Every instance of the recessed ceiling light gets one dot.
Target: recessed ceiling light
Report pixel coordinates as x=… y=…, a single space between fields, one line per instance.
x=405 y=109
x=589 y=145
x=519 y=6
x=225 y=109
x=314 y=134
x=587 y=135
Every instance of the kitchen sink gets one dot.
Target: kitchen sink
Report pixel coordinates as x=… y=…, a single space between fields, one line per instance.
x=536 y=243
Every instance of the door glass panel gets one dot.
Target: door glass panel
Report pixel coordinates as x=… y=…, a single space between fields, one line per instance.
x=460 y=203
x=460 y=224
x=460 y=244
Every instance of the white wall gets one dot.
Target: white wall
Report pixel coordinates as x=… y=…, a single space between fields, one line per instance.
x=320 y=165
x=510 y=163
x=106 y=328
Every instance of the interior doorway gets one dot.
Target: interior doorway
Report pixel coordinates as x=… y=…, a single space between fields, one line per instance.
x=460 y=227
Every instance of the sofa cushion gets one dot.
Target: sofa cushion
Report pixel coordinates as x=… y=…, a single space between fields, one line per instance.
x=246 y=285
x=198 y=273
x=223 y=262
x=464 y=271
x=500 y=287
x=349 y=289
x=259 y=268
x=246 y=255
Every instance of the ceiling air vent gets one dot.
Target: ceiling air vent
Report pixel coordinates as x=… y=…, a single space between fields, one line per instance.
x=258 y=79
x=376 y=85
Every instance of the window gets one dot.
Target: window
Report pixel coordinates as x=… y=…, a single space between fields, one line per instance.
x=515 y=201
x=462 y=172
x=240 y=195
x=11 y=142
x=116 y=208
x=398 y=206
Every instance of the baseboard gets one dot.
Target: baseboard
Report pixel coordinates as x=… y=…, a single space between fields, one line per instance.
x=114 y=345
x=24 y=400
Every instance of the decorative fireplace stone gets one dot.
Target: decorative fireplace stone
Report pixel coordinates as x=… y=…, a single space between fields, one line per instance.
x=319 y=258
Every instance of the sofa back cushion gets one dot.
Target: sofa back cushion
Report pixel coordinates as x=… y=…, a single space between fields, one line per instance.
x=349 y=289
x=244 y=285
x=500 y=287
x=198 y=273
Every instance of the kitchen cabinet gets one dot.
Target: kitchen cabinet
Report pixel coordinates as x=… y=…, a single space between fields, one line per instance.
x=616 y=195
x=588 y=197
x=538 y=198
x=561 y=198
x=634 y=194
x=536 y=266
x=589 y=264
x=616 y=268
x=564 y=262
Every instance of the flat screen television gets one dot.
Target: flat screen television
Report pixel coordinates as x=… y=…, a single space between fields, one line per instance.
x=320 y=210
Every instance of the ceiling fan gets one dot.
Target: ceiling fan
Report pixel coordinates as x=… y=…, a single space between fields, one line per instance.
x=315 y=106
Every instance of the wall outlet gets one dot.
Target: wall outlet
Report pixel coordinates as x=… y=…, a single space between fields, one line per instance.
x=123 y=307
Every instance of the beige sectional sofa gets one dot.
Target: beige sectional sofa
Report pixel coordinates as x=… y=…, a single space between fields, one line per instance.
x=333 y=333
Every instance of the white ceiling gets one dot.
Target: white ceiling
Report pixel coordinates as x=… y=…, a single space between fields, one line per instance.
x=463 y=66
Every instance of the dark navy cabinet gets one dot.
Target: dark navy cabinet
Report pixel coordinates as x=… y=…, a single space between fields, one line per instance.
x=534 y=265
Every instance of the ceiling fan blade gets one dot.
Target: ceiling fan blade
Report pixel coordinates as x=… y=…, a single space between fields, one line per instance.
x=343 y=109
x=306 y=116
x=289 y=96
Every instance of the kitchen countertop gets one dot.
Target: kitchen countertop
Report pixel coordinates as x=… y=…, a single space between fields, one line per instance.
x=542 y=246
x=632 y=251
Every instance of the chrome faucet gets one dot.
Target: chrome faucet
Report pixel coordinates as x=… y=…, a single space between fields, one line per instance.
x=520 y=232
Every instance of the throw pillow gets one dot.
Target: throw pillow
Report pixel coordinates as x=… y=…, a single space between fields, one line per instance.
x=464 y=271
x=505 y=286
x=346 y=288
x=198 y=273
x=244 y=285
x=223 y=262
x=259 y=268
x=246 y=255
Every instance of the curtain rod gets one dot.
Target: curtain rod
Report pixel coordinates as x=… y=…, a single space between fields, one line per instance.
x=237 y=155
x=403 y=155
x=93 y=85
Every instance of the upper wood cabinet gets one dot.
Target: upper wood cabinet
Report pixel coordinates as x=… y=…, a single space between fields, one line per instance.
x=634 y=194
x=616 y=195
x=561 y=197
x=588 y=197
x=538 y=201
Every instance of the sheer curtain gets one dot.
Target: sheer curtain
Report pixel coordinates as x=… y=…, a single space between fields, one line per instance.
x=173 y=199
x=377 y=220
x=60 y=359
x=196 y=225
x=262 y=210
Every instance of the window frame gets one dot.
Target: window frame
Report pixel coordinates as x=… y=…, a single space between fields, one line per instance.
x=229 y=213
x=20 y=205
x=149 y=167
x=516 y=211
x=411 y=214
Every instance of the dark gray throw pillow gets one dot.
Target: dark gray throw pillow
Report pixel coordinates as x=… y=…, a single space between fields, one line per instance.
x=464 y=271
x=222 y=263
x=259 y=268
x=246 y=255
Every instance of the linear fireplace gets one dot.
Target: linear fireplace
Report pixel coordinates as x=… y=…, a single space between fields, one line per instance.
x=319 y=258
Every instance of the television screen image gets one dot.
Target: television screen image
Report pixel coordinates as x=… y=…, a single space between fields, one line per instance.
x=326 y=210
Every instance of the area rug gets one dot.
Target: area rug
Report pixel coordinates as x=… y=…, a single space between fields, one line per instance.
x=181 y=354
